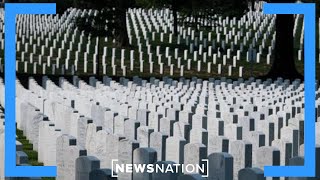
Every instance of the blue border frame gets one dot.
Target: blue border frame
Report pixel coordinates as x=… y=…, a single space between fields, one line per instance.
x=11 y=10
x=308 y=10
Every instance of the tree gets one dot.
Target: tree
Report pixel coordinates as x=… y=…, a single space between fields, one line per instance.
x=252 y=5
x=121 y=32
x=109 y=21
x=283 y=64
x=175 y=15
x=113 y=16
x=204 y=9
x=63 y=5
x=95 y=26
x=207 y=9
x=174 y=5
x=231 y=8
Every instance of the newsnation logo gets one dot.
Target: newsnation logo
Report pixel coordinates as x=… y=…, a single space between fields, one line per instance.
x=162 y=168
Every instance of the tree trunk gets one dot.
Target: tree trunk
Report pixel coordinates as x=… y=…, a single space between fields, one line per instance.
x=252 y=5
x=283 y=64
x=175 y=17
x=175 y=21
x=122 y=36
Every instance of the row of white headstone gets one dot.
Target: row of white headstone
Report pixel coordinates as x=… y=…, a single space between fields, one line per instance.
x=181 y=121
x=234 y=39
x=21 y=157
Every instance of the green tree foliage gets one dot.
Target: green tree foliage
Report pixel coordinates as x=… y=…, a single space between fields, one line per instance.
x=174 y=5
x=110 y=21
x=207 y=9
x=198 y=10
x=63 y=5
x=231 y=8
